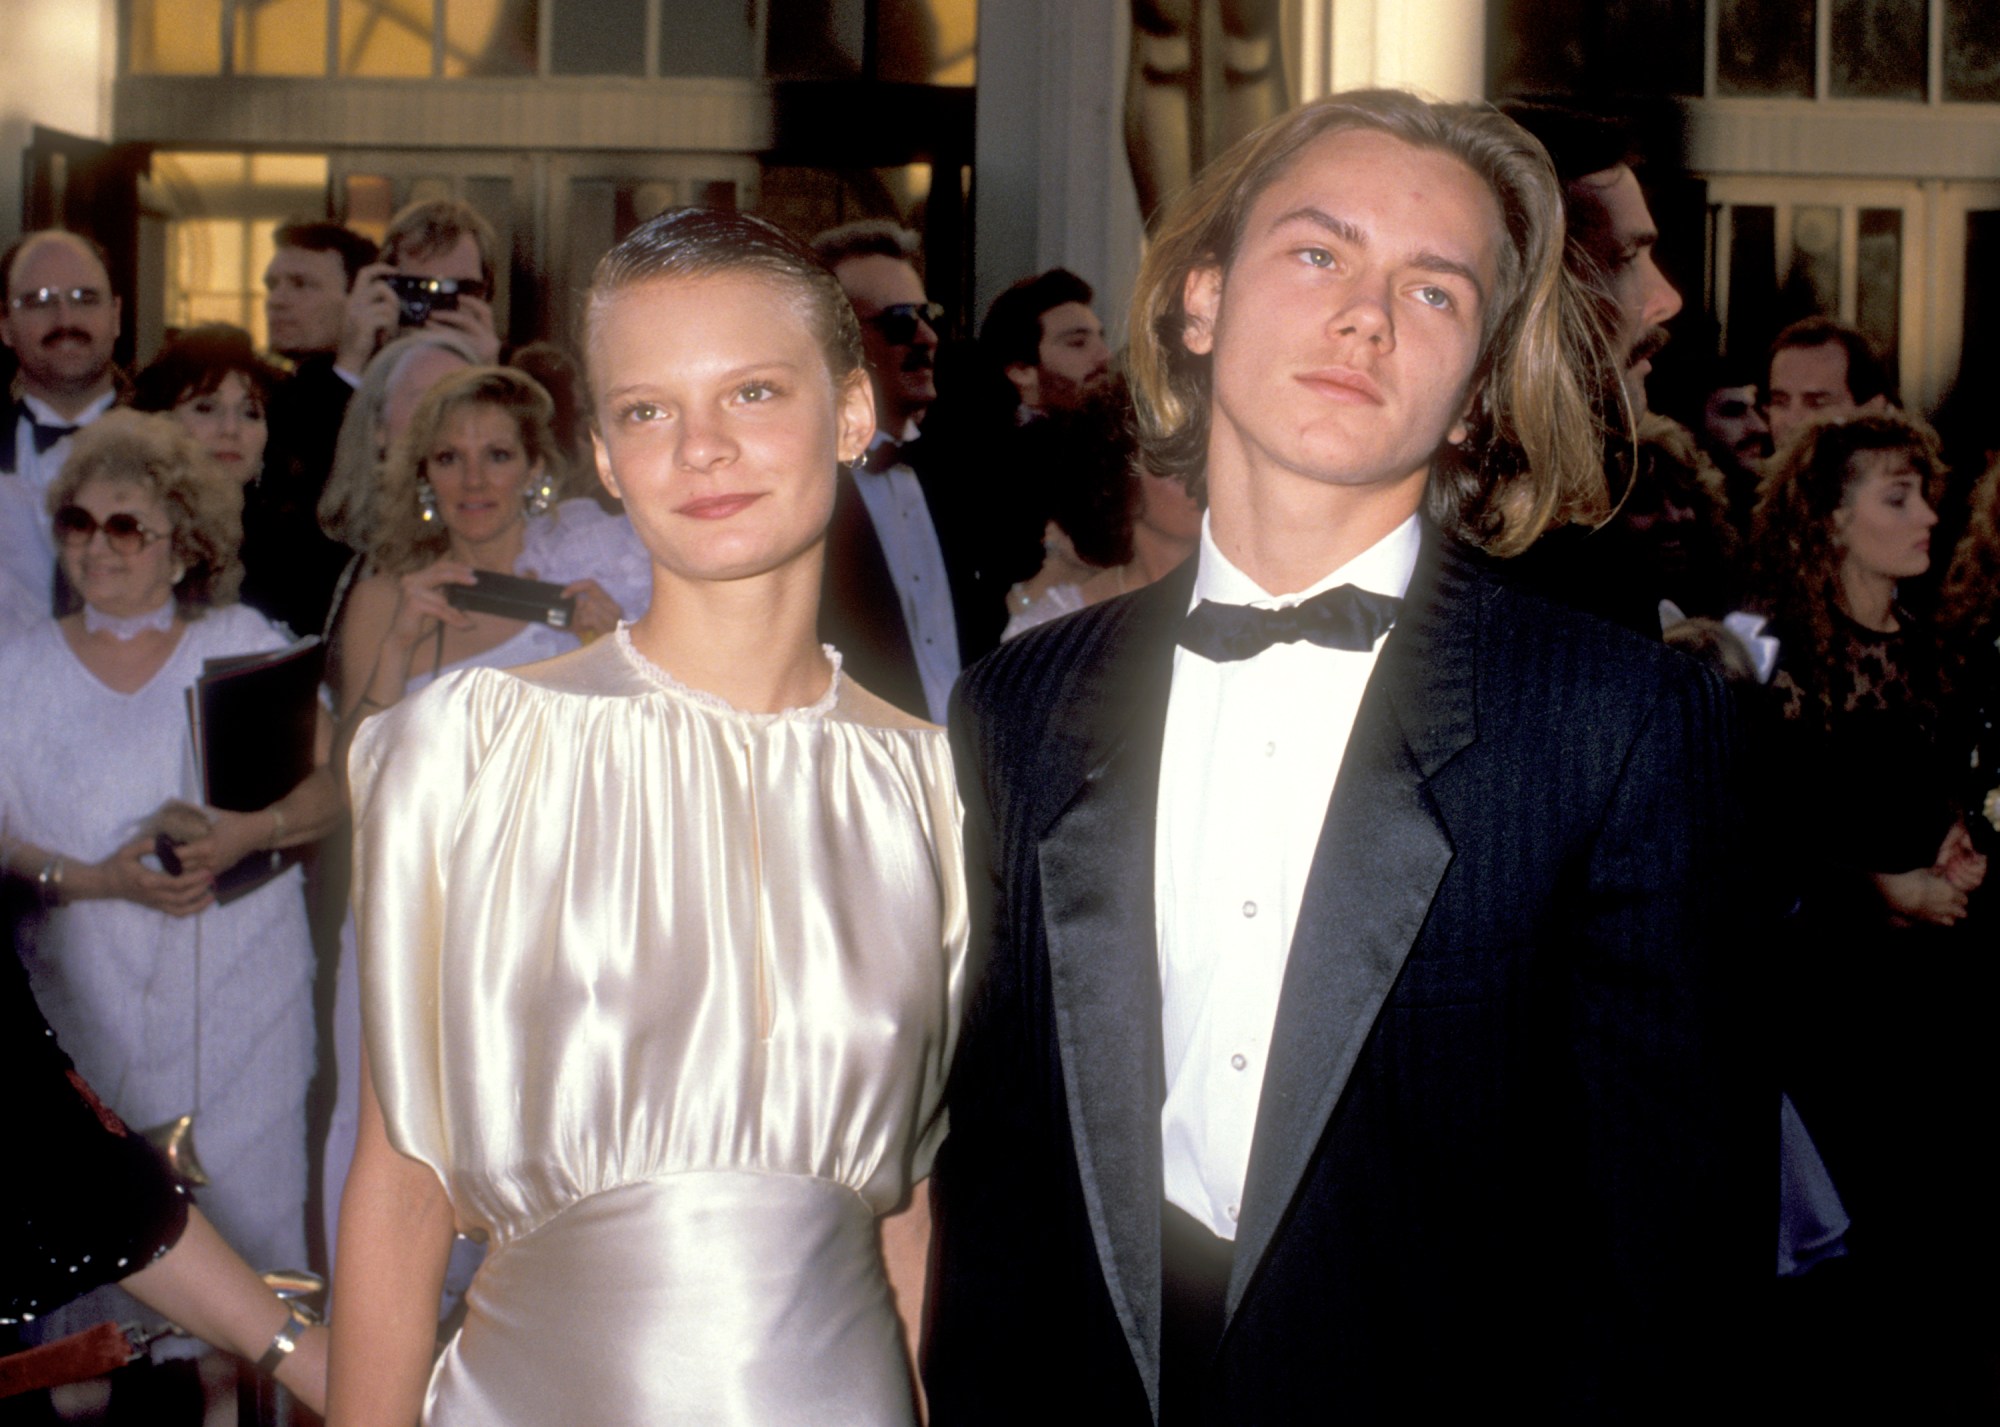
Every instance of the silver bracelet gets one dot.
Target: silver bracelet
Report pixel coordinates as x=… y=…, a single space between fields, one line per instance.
x=285 y=1342
x=49 y=880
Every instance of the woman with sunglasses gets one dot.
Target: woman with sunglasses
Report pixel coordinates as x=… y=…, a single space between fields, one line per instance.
x=170 y=1002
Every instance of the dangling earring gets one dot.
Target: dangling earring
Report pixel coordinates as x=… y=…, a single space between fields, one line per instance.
x=427 y=502
x=538 y=497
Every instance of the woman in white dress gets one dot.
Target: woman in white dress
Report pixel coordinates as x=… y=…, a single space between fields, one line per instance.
x=470 y=484
x=663 y=941
x=169 y=1002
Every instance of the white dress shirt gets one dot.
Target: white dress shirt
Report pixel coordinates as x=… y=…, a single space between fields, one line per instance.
x=27 y=540
x=902 y=520
x=1252 y=749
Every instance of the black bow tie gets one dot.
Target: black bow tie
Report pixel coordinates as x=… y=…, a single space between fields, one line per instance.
x=46 y=433
x=887 y=452
x=1343 y=618
x=47 y=436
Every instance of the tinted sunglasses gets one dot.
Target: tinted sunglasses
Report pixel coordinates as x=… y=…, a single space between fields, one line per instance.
x=122 y=530
x=898 y=324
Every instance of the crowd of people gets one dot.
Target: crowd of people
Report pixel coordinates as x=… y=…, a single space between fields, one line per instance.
x=657 y=916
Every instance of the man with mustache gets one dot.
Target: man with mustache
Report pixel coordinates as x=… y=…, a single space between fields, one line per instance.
x=1608 y=251
x=1611 y=234
x=909 y=596
x=61 y=320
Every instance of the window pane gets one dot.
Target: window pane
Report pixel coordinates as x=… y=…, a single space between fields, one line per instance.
x=489 y=37
x=1813 y=283
x=1551 y=47
x=1972 y=50
x=1753 y=278
x=1764 y=47
x=1878 y=278
x=711 y=37
x=368 y=201
x=281 y=37
x=1880 y=49
x=386 y=38
x=599 y=37
x=176 y=37
x=1982 y=293
x=916 y=41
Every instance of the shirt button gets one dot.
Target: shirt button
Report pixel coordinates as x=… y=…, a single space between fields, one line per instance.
x=1237 y=1061
x=1270 y=750
x=1249 y=909
x=1234 y=1210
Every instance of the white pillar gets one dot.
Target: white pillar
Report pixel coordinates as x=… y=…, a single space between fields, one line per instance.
x=1052 y=185
x=1436 y=47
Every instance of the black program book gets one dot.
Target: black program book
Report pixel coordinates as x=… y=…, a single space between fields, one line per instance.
x=254 y=719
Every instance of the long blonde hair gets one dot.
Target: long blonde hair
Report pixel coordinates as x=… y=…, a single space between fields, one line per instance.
x=1535 y=454
x=402 y=539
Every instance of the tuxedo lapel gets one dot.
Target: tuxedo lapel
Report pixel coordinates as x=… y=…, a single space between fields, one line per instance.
x=859 y=612
x=1381 y=854
x=1096 y=865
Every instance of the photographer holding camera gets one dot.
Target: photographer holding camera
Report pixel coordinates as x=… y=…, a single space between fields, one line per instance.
x=436 y=271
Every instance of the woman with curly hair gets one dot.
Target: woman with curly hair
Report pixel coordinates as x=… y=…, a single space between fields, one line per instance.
x=1845 y=515
x=1887 y=1074
x=169 y=1001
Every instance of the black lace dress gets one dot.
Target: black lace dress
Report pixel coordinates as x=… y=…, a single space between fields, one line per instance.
x=1886 y=1028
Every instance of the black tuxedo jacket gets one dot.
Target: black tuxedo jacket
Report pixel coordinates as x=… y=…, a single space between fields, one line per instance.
x=290 y=566
x=1511 y=1152
x=860 y=613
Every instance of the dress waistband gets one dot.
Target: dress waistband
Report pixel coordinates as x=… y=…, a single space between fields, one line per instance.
x=715 y=1297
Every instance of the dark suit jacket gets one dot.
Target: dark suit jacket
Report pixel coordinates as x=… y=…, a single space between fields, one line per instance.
x=290 y=566
x=860 y=613
x=1510 y=1149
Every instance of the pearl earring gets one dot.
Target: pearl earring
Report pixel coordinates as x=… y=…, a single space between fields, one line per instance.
x=427 y=502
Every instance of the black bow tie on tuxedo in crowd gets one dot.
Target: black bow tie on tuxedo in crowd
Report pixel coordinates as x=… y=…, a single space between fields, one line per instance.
x=881 y=455
x=46 y=433
x=1343 y=618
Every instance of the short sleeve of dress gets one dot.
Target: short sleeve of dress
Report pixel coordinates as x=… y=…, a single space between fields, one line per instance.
x=947 y=818
x=409 y=773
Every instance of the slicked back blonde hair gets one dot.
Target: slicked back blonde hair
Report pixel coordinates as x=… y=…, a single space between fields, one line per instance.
x=1535 y=453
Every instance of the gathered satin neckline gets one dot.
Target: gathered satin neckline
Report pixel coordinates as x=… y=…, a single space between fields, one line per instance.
x=818 y=708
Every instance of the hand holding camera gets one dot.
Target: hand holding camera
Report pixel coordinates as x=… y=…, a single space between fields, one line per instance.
x=385 y=302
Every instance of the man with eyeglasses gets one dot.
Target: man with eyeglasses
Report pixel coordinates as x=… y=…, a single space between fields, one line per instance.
x=61 y=320
x=905 y=594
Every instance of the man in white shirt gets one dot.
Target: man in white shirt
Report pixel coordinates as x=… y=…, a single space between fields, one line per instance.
x=888 y=595
x=61 y=320
x=1355 y=1039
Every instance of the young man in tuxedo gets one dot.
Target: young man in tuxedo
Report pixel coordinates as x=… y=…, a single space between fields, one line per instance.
x=1360 y=1028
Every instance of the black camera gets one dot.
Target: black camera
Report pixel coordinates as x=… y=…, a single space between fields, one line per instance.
x=418 y=297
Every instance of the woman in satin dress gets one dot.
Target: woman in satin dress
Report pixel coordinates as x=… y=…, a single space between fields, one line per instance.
x=663 y=940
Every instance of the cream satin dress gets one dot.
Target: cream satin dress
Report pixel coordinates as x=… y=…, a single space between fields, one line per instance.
x=665 y=993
